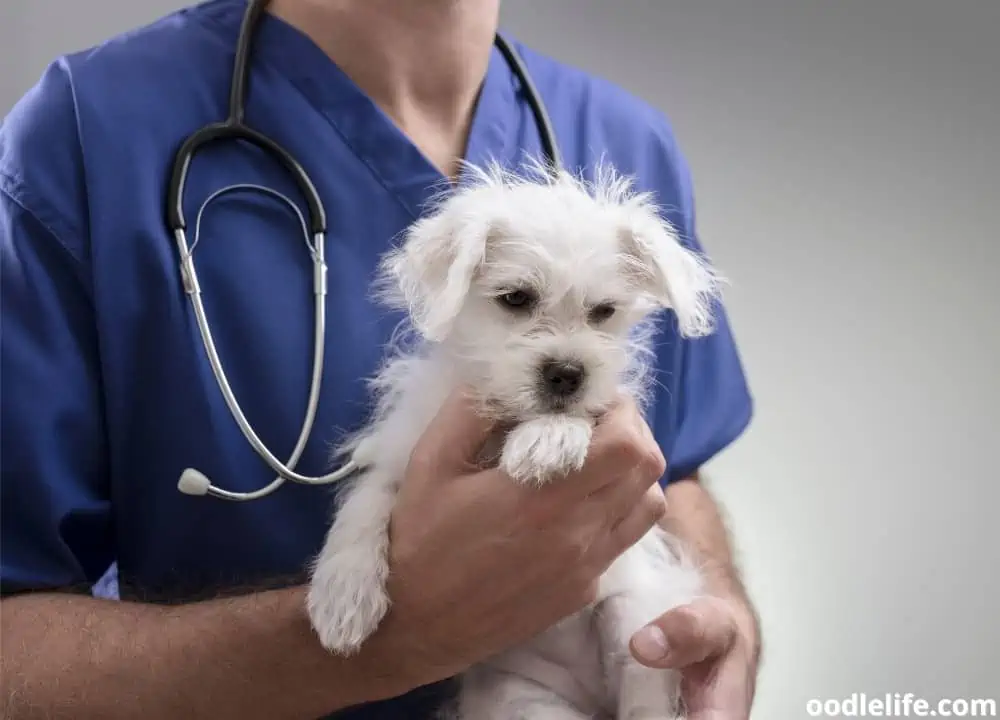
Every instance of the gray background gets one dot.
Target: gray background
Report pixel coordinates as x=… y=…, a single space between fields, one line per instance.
x=845 y=158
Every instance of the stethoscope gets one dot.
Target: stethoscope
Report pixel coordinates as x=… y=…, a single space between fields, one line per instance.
x=234 y=127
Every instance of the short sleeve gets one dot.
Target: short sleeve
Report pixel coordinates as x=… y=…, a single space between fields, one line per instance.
x=710 y=404
x=702 y=401
x=54 y=498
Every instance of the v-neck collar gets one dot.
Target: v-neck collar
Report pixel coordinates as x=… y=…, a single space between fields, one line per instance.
x=375 y=139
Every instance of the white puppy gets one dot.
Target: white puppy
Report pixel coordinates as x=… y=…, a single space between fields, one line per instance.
x=536 y=291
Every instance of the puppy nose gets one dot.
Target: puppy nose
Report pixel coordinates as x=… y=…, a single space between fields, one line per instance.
x=562 y=378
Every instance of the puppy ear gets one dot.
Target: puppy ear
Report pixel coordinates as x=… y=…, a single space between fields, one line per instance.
x=432 y=271
x=670 y=274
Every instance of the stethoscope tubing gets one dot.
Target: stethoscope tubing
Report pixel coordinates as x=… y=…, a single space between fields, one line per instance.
x=234 y=127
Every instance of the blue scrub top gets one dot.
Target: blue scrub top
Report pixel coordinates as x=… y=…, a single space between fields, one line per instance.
x=106 y=392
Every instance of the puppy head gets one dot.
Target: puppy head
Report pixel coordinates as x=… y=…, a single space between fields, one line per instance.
x=537 y=287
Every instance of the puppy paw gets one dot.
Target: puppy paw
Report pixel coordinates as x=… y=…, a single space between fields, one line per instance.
x=347 y=599
x=648 y=694
x=545 y=448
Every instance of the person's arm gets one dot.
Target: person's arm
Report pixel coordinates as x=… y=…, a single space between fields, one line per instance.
x=694 y=517
x=253 y=656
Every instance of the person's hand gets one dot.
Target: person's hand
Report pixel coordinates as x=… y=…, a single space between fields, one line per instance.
x=712 y=643
x=479 y=563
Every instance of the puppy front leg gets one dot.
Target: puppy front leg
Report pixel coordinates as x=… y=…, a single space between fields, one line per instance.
x=546 y=447
x=488 y=693
x=347 y=594
x=642 y=693
x=648 y=579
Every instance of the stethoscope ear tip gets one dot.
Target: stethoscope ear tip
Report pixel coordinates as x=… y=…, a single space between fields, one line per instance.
x=193 y=482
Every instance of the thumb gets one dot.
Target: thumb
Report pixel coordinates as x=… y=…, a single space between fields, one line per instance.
x=685 y=635
x=455 y=436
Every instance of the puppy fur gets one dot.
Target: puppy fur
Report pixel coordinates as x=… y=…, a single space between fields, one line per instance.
x=538 y=291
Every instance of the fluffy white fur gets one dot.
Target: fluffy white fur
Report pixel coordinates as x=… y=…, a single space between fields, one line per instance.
x=507 y=274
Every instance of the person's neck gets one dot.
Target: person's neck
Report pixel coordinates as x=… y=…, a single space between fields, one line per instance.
x=421 y=61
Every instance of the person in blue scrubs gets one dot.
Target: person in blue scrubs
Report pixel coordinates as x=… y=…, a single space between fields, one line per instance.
x=107 y=395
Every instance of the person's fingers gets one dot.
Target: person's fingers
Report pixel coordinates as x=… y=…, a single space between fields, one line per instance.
x=685 y=635
x=636 y=521
x=454 y=438
x=622 y=452
x=628 y=470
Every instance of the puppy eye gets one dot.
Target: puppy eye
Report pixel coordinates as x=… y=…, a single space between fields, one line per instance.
x=517 y=300
x=600 y=313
